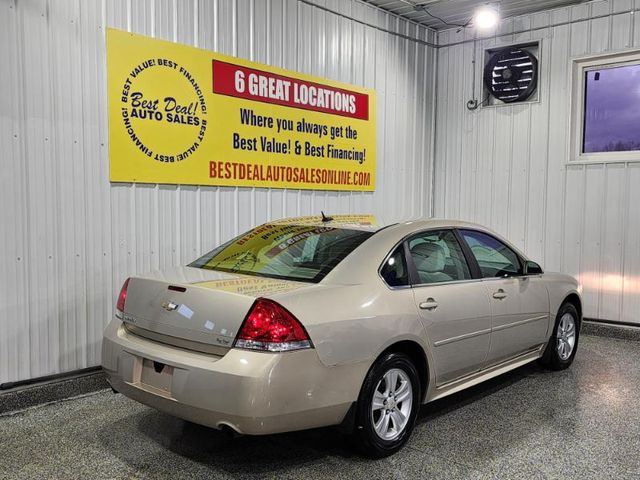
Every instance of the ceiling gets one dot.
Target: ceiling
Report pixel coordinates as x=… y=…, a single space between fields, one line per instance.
x=460 y=11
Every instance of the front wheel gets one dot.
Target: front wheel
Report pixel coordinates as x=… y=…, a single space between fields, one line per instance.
x=388 y=406
x=563 y=344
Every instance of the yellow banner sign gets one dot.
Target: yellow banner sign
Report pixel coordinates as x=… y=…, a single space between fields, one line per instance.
x=183 y=115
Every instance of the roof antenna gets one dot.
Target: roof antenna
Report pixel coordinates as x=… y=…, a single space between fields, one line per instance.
x=325 y=218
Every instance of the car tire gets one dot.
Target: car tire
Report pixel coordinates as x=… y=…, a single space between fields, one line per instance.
x=563 y=343
x=381 y=431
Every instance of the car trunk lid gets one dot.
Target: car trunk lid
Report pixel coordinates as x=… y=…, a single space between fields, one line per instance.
x=194 y=308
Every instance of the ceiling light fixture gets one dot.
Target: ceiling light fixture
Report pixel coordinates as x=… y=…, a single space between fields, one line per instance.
x=486 y=17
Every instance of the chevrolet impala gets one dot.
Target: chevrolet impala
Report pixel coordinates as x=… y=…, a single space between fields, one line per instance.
x=320 y=321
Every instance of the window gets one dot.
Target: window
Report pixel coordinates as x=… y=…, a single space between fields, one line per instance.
x=494 y=258
x=438 y=257
x=606 y=108
x=290 y=252
x=612 y=109
x=394 y=271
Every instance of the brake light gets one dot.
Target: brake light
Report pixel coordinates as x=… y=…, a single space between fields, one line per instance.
x=270 y=327
x=122 y=298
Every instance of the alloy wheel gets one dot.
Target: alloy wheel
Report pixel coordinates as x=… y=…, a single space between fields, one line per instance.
x=566 y=336
x=391 y=404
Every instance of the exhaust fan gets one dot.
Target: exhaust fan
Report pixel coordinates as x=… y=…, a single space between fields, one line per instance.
x=511 y=74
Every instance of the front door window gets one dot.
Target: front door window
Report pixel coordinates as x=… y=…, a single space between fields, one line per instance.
x=494 y=258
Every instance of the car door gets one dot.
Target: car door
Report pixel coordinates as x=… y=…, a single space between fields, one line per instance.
x=519 y=303
x=453 y=305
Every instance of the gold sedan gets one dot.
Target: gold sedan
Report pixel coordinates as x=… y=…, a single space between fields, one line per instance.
x=319 y=321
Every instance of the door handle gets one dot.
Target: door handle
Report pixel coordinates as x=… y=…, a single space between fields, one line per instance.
x=499 y=294
x=430 y=304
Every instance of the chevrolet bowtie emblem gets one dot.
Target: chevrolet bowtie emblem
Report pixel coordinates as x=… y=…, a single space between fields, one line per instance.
x=169 y=306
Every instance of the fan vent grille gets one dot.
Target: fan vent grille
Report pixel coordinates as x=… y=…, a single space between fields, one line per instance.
x=511 y=74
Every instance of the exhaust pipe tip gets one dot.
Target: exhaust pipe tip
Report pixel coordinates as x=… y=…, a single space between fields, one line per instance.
x=229 y=431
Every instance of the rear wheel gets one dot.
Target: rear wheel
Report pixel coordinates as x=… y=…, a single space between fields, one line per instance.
x=388 y=406
x=563 y=344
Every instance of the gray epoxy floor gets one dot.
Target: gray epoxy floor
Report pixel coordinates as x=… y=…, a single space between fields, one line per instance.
x=527 y=424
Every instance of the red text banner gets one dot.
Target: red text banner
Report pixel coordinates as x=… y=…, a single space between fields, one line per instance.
x=260 y=86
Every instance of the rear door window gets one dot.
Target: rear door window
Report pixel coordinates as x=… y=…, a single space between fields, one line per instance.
x=438 y=257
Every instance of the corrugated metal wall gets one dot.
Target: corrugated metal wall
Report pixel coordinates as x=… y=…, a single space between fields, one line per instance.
x=507 y=166
x=69 y=238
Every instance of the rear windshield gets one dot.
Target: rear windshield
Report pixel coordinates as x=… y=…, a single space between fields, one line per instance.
x=290 y=252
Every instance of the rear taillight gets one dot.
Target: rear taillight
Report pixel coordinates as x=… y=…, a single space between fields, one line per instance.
x=270 y=327
x=122 y=298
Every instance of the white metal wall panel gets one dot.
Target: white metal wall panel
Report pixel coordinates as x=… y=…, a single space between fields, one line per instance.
x=507 y=166
x=69 y=237
x=631 y=246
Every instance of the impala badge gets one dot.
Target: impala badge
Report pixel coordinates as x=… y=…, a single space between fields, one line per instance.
x=169 y=306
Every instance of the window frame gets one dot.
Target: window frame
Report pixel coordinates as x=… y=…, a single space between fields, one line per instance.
x=579 y=67
x=521 y=260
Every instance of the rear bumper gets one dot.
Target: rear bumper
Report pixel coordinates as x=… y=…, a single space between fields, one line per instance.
x=252 y=392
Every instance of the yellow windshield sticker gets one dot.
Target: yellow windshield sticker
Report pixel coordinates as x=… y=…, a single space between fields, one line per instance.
x=336 y=220
x=252 y=286
x=257 y=250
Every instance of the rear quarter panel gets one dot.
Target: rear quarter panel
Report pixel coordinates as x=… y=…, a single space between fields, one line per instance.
x=355 y=323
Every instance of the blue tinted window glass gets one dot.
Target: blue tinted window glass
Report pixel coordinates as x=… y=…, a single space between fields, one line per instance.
x=612 y=109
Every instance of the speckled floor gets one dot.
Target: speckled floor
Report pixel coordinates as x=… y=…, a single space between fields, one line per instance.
x=528 y=424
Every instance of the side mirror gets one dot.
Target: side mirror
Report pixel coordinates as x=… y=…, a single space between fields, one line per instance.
x=532 y=268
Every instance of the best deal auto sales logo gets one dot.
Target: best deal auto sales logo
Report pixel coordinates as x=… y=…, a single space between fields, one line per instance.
x=163 y=110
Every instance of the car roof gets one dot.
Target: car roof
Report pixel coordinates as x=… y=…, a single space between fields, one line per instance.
x=372 y=223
